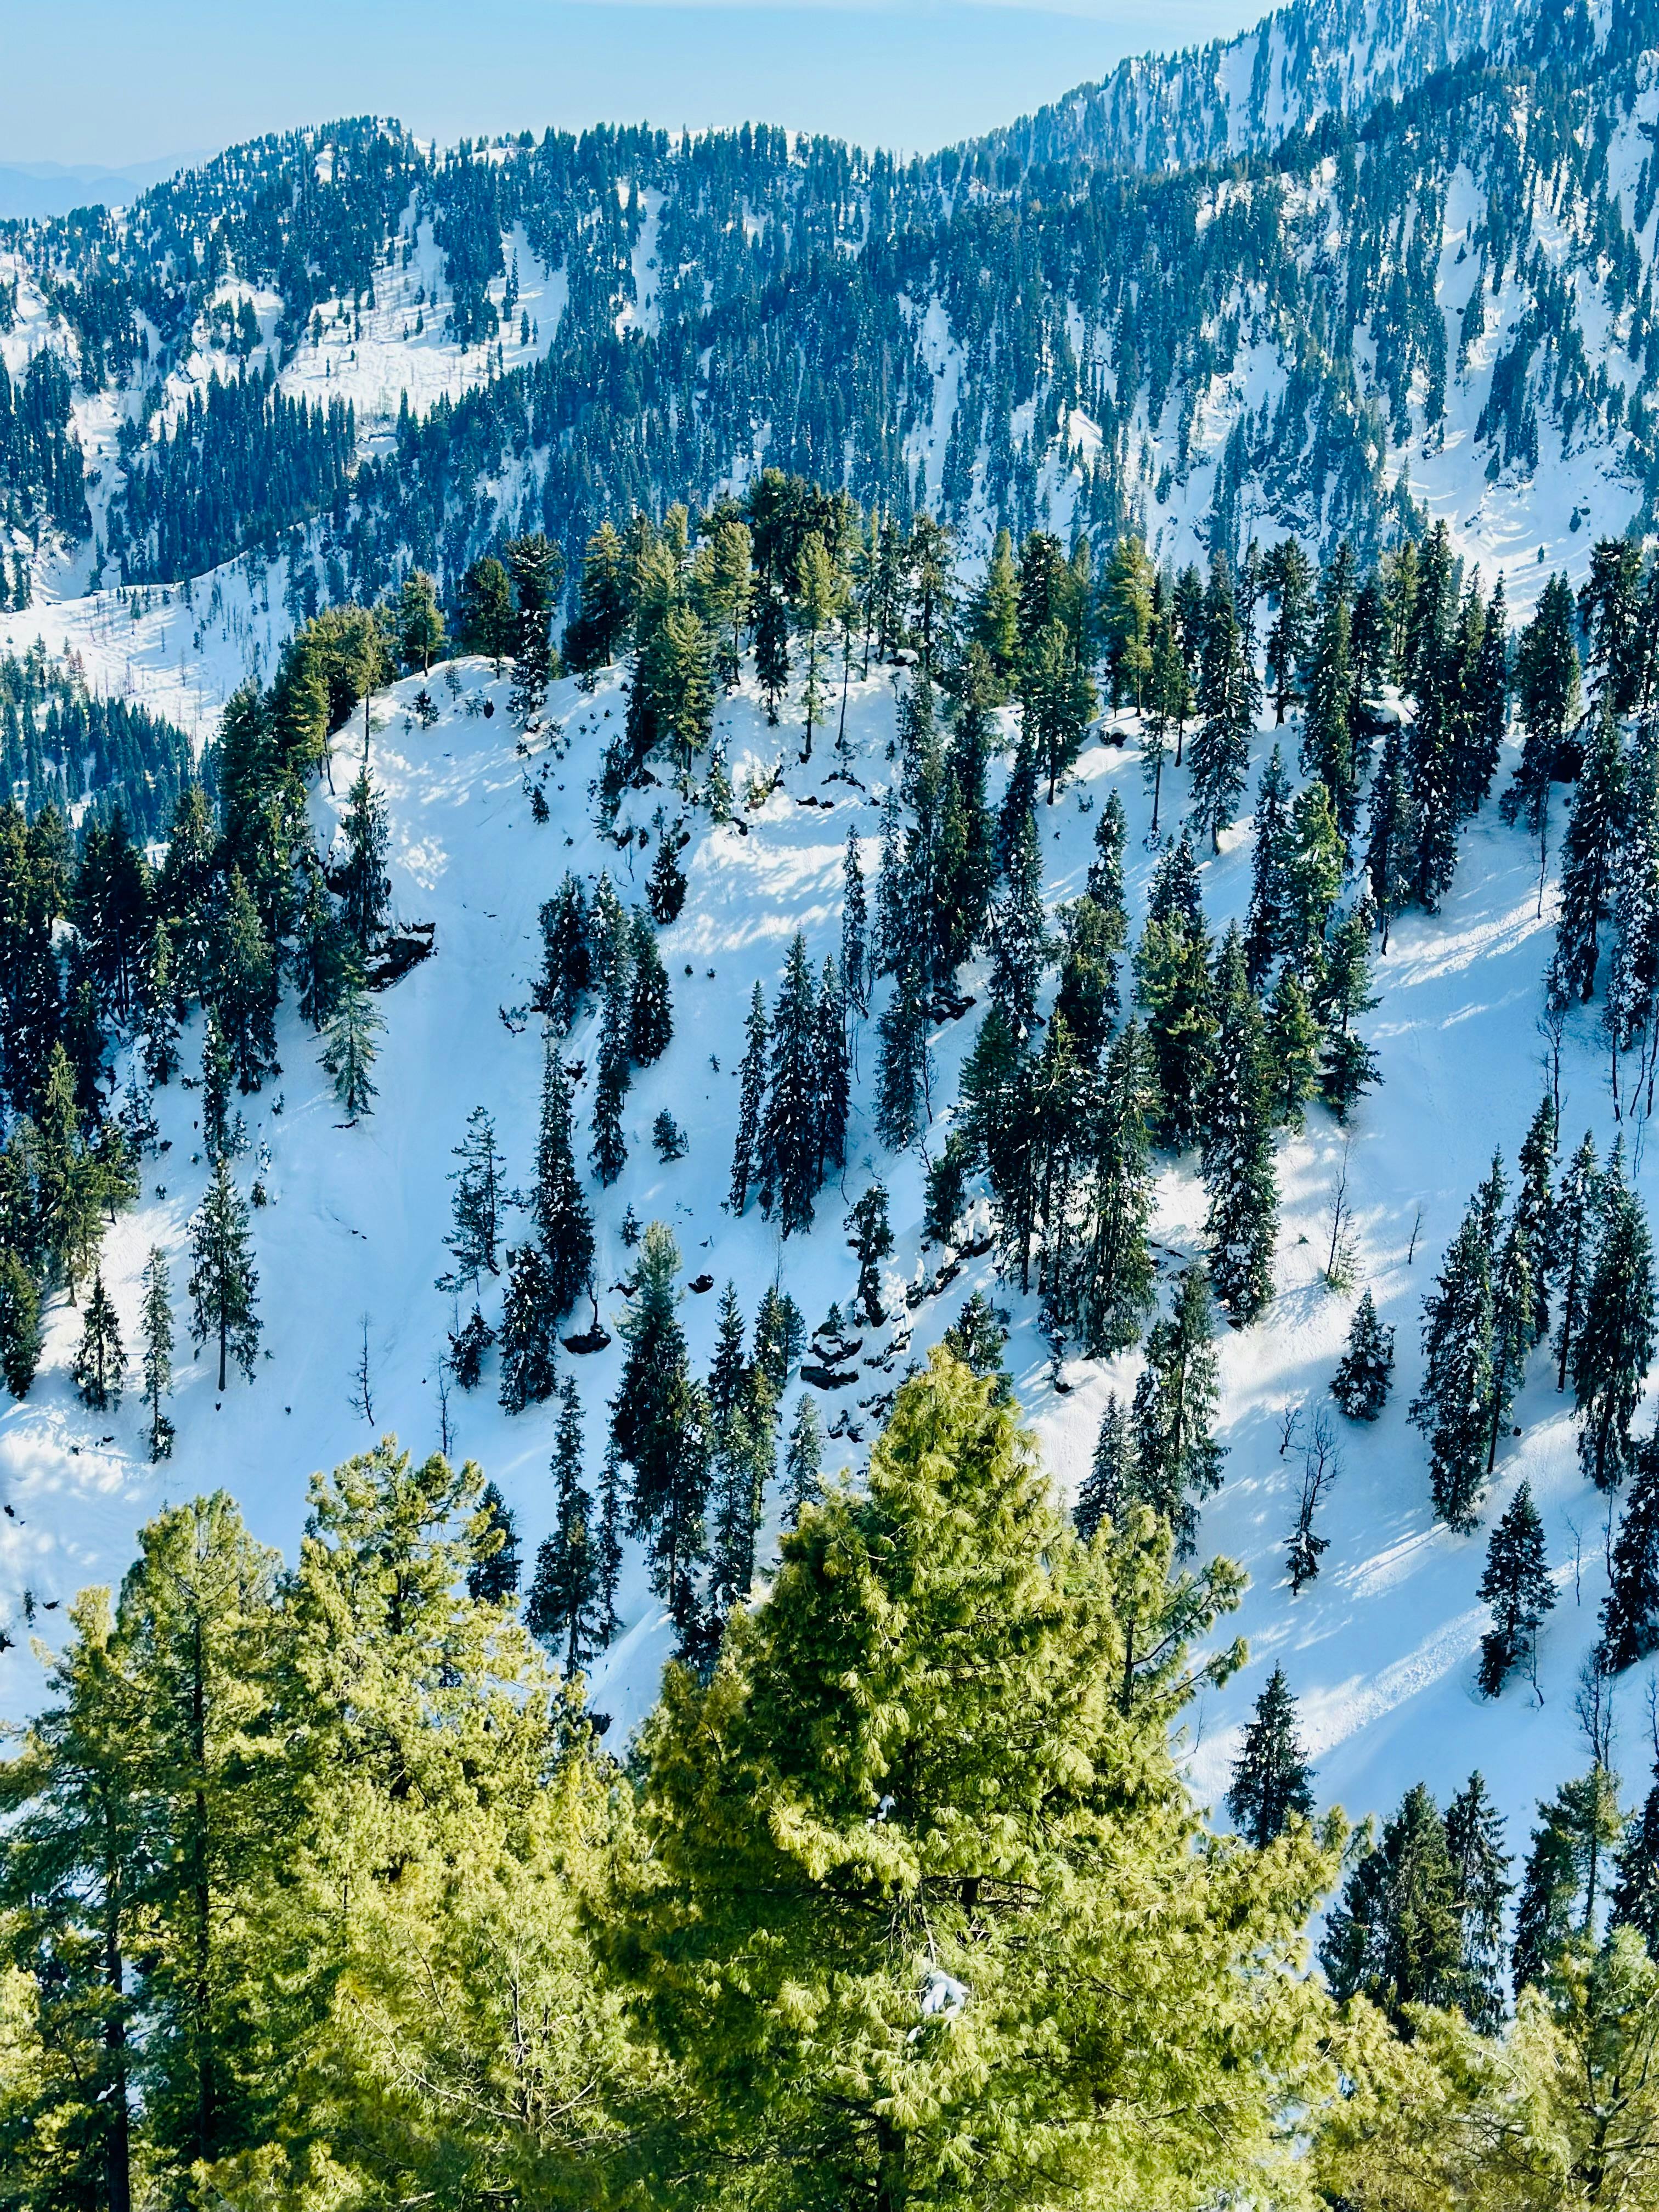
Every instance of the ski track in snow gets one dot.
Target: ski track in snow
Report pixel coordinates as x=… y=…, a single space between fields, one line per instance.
x=1379 y=1650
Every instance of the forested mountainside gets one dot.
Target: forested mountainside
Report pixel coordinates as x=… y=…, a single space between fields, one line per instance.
x=1453 y=283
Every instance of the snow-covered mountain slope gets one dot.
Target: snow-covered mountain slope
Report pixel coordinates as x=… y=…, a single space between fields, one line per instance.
x=1379 y=1650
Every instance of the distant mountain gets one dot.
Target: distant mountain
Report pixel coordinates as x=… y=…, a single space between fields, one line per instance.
x=50 y=188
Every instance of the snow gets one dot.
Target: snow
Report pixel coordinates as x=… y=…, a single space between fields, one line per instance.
x=1379 y=1649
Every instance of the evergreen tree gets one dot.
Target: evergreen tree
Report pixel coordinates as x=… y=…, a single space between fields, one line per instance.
x=871 y=1241
x=1397 y=1936
x=665 y=890
x=564 y=1605
x=1112 y=1486
x=1020 y=942
x=1517 y=1585
x=1273 y=1782
x=1389 y=835
x=350 y=1050
x=834 y=1069
x=1264 y=929
x=609 y=1152
x=1629 y=1611
x=1288 y=580
x=1293 y=1041
x=218 y=1067
x=1241 y=1224
x=222 y=1277
x=1534 y=1211
x=529 y=1317
x=1546 y=689
x=1360 y=1385
x=100 y=1362
x=1087 y=999
x=803 y=1463
x=420 y=620
x=476 y=1231
x=650 y=1012
x=1174 y=984
x=1615 y=1343
x=1453 y=1406
x=854 y=929
x=789 y=1137
x=158 y=1018
x=1175 y=1404
x=752 y=1099
x=493 y=1571
x=608 y=1553
x=467 y=1347
x=563 y=1223
x=1227 y=697
x=1572 y=1847
x=1106 y=1275
x=567 y=956
x=1572 y=1236
x=156 y=1328
x=659 y=1425
x=1474 y=1843
x=1635 y=1894
x=901 y=1070
x=1587 y=866
x=364 y=886
x=20 y=1337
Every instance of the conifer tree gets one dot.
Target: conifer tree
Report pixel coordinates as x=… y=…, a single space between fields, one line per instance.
x=495 y=1568
x=747 y=1792
x=995 y=613
x=803 y=1463
x=365 y=887
x=222 y=1277
x=1264 y=929
x=155 y=1331
x=323 y=954
x=1293 y=1044
x=1636 y=1894
x=158 y=1018
x=871 y=1241
x=665 y=893
x=1242 y=1224
x=771 y=649
x=563 y=1223
x=1288 y=580
x=1535 y=1211
x=1112 y=1486
x=1517 y=1585
x=854 y=929
x=1105 y=885
x=476 y=1228
x=1174 y=984
x=659 y=1425
x=780 y=1332
x=1397 y=1936
x=1019 y=941
x=609 y=1154
x=1573 y=1232
x=608 y=1553
x=1360 y=1385
x=1273 y=1782
x=1572 y=1850
x=1389 y=835
x=100 y=1362
x=901 y=1070
x=1474 y=1844
x=1328 y=739
x=1629 y=1611
x=834 y=1069
x=650 y=1012
x=1107 y=1276
x=217 y=1067
x=529 y=1323
x=751 y=1101
x=1175 y=1404
x=350 y=1051
x=1614 y=1344
x=564 y=1603
x=1453 y=1406
x=1587 y=866
x=1546 y=689
x=1228 y=696
x=567 y=956
x=789 y=1151
x=21 y=1336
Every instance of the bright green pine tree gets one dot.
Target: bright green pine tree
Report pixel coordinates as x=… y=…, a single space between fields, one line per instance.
x=1241 y=1224
x=349 y=1050
x=919 y=1826
x=222 y=1277
x=1272 y=1783
x=100 y=1362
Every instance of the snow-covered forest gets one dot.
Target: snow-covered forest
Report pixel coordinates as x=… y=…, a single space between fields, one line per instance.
x=828 y=1006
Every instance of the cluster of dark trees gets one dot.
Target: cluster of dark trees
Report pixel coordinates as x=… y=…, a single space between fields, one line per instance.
x=59 y=745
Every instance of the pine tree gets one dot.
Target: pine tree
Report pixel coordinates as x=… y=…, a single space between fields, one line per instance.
x=1635 y=1894
x=222 y=1277
x=1535 y=1211
x=871 y=1241
x=650 y=1012
x=608 y=1553
x=1293 y=1042
x=1264 y=929
x=495 y=1568
x=1288 y=579
x=1474 y=1844
x=100 y=1362
x=364 y=886
x=609 y=1152
x=789 y=1138
x=350 y=1050
x=567 y=956
x=1546 y=687
x=1273 y=1782
x=216 y=1071
x=1573 y=1243
x=1327 y=740
x=1019 y=941
x=1615 y=1343
x=1629 y=1611
x=834 y=1069
x=476 y=1204
x=155 y=1328
x=854 y=929
x=751 y=1100
x=564 y=1605
x=1174 y=984
x=158 y=1016
x=1578 y=1830
x=1390 y=834
x=563 y=1223
x=1112 y=1486
x=1587 y=864
x=530 y=1321
x=1397 y=1936
x=1360 y=1385
x=21 y=1336
x=902 y=1069
x=1228 y=696
x=803 y=1463
x=659 y=1424
x=1242 y=1224
x=1453 y=1406
x=664 y=892
x=1517 y=1585
x=1175 y=1404
x=1107 y=1277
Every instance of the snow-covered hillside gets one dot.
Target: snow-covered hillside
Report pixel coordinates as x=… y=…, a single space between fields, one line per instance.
x=1379 y=1650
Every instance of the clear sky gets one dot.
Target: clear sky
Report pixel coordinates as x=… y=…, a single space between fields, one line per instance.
x=125 y=81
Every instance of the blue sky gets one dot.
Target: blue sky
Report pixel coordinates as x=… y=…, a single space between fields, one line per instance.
x=112 y=81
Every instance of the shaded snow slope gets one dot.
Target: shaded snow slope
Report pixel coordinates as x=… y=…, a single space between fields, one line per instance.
x=1379 y=1650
